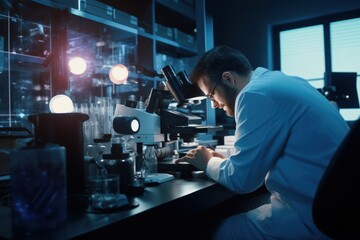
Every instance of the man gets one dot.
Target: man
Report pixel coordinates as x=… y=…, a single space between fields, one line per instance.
x=286 y=134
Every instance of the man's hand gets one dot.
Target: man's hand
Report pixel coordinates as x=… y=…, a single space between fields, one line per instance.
x=199 y=157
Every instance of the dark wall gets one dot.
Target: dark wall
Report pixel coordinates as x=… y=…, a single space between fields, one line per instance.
x=246 y=24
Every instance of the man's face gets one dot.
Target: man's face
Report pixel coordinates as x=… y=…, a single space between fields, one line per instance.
x=221 y=93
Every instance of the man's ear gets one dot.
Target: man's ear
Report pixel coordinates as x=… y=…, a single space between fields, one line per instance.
x=229 y=77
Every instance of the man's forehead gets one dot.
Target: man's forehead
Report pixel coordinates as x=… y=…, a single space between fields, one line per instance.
x=204 y=79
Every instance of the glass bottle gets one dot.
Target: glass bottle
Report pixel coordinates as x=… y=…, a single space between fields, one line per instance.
x=150 y=160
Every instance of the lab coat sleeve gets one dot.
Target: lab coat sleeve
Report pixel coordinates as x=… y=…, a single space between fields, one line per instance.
x=261 y=134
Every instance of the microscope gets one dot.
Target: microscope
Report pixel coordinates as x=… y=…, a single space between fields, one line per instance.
x=164 y=123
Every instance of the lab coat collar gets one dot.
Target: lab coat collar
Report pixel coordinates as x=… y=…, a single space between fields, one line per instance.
x=258 y=72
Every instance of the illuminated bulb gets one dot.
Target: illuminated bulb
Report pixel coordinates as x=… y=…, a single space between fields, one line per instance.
x=118 y=74
x=61 y=104
x=77 y=65
x=135 y=125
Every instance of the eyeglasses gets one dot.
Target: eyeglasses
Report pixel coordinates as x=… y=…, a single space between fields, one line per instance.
x=211 y=94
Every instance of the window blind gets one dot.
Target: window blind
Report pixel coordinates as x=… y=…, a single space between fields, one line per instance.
x=302 y=53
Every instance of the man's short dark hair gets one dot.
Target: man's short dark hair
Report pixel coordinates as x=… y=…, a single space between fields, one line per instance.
x=218 y=60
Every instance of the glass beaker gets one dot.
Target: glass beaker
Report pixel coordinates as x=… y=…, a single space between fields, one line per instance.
x=38 y=188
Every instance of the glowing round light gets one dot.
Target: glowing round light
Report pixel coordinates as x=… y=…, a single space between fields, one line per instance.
x=118 y=74
x=61 y=104
x=135 y=125
x=77 y=65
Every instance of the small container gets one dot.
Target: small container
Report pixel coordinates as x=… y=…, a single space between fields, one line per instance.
x=150 y=159
x=120 y=162
x=104 y=192
x=103 y=146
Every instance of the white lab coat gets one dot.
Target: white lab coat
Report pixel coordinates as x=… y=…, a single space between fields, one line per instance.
x=286 y=134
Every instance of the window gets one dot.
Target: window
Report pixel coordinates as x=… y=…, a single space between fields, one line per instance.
x=345 y=45
x=302 y=53
x=328 y=44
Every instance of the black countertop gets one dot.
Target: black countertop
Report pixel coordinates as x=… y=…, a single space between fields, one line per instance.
x=159 y=208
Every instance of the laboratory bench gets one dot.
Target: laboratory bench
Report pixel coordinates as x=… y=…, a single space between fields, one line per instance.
x=159 y=211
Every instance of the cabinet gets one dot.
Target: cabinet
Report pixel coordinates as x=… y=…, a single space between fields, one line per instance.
x=144 y=36
x=25 y=82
